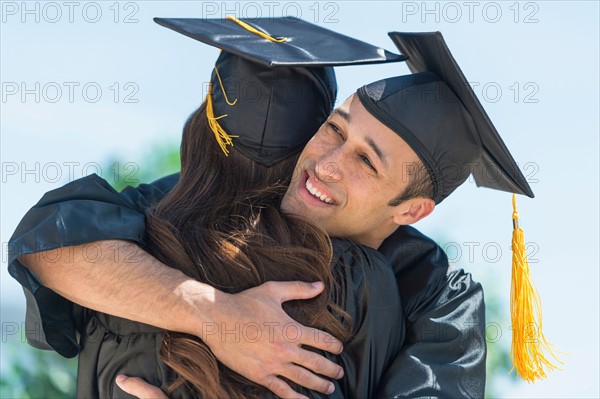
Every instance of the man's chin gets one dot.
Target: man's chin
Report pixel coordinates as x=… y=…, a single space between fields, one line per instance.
x=293 y=206
x=287 y=205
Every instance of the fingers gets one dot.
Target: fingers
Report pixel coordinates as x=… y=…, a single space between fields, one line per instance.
x=319 y=364
x=280 y=355
x=137 y=387
x=305 y=378
x=289 y=290
x=320 y=340
x=281 y=389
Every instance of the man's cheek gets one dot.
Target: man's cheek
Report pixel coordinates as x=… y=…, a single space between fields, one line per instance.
x=319 y=144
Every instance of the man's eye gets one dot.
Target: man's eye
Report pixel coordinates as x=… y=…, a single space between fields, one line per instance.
x=368 y=162
x=335 y=128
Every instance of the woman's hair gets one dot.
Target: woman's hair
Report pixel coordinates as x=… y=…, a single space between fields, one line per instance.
x=221 y=225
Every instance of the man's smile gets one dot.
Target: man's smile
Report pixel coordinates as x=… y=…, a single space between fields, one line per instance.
x=312 y=192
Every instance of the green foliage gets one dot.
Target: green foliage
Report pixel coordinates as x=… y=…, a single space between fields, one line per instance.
x=34 y=373
x=161 y=160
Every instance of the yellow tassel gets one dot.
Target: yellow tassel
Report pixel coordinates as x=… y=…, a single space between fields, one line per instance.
x=231 y=103
x=528 y=341
x=252 y=29
x=222 y=137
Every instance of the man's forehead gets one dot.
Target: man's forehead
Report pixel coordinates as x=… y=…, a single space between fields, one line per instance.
x=343 y=110
x=353 y=112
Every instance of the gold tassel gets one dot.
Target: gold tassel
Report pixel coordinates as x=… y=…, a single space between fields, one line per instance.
x=222 y=137
x=528 y=341
x=252 y=29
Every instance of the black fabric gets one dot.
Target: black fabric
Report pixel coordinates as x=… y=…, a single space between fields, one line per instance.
x=255 y=104
x=434 y=298
x=437 y=113
x=112 y=345
x=306 y=44
x=445 y=349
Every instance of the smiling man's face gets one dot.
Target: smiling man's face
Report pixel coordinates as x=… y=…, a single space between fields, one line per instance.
x=348 y=173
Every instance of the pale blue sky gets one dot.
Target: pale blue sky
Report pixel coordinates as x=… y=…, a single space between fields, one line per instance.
x=546 y=52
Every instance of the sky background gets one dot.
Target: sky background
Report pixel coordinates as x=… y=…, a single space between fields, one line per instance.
x=92 y=81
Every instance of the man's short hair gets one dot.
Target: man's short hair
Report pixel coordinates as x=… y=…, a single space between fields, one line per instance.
x=419 y=185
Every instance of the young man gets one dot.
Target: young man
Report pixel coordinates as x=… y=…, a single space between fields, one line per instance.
x=382 y=160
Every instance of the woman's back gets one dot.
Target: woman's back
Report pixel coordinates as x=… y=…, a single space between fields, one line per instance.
x=112 y=345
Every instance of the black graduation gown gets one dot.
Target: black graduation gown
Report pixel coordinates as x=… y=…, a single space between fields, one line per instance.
x=445 y=348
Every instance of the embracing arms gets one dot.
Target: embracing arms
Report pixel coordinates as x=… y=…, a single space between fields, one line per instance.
x=443 y=355
x=62 y=241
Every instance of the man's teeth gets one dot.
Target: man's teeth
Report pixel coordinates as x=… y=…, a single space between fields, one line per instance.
x=311 y=189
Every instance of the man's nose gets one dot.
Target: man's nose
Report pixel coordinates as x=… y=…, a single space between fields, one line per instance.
x=328 y=167
x=327 y=172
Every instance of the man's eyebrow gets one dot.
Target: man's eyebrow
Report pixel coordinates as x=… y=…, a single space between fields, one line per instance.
x=342 y=114
x=377 y=150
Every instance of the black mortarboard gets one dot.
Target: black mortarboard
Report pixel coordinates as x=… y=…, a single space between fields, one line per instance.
x=273 y=86
x=437 y=113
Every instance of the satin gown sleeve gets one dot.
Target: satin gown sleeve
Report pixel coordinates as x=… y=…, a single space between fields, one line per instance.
x=83 y=211
x=445 y=348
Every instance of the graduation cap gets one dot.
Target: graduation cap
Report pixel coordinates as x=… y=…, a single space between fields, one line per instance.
x=439 y=116
x=437 y=113
x=272 y=86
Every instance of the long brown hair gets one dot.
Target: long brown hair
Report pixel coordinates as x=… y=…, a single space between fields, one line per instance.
x=221 y=225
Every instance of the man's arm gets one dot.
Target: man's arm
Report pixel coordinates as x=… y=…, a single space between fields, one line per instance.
x=140 y=288
x=83 y=211
x=445 y=348
x=119 y=278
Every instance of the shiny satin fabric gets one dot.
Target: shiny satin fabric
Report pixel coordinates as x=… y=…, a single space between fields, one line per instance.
x=445 y=348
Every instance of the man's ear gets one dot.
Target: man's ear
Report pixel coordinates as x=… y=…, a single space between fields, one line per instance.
x=413 y=210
